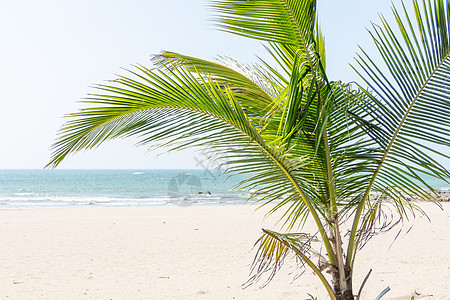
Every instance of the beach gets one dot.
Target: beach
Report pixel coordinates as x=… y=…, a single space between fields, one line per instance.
x=196 y=252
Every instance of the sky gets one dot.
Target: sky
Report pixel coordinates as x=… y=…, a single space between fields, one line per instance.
x=53 y=51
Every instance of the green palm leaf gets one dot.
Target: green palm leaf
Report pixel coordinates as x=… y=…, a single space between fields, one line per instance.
x=289 y=25
x=236 y=79
x=412 y=102
x=280 y=21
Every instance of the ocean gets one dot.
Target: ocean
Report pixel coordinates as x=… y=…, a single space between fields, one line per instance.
x=75 y=188
x=94 y=188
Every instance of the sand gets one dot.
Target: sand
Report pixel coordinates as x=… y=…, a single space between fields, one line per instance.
x=194 y=253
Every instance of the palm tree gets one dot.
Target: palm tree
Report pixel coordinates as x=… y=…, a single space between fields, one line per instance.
x=319 y=151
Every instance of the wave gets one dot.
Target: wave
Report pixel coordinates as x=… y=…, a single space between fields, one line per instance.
x=30 y=200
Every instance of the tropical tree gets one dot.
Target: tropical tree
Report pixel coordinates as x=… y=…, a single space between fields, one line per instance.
x=319 y=151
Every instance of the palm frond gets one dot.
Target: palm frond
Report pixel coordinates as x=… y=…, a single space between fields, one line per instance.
x=354 y=154
x=412 y=101
x=230 y=73
x=288 y=25
x=281 y=21
x=274 y=248
x=415 y=105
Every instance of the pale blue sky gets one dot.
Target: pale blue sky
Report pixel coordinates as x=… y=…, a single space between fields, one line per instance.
x=53 y=50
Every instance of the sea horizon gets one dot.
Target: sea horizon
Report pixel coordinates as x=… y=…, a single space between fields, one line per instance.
x=52 y=188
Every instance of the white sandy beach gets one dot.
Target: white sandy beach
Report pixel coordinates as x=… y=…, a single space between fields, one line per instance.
x=193 y=253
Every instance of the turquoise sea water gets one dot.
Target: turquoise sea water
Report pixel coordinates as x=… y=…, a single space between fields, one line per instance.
x=74 y=188
x=66 y=188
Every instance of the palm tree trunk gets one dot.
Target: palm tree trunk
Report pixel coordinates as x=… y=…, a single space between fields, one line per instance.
x=345 y=291
x=342 y=273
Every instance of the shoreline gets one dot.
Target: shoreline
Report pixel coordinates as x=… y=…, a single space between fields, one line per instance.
x=195 y=252
x=442 y=198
